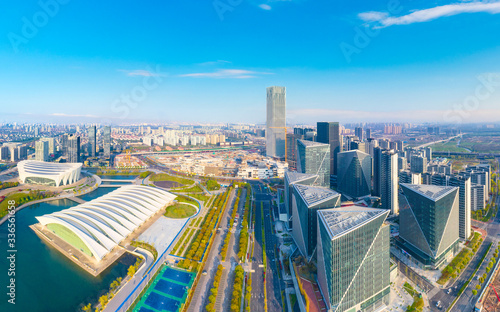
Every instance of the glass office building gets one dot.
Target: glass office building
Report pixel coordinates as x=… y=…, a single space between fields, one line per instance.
x=329 y=133
x=306 y=201
x=314 y=158
x=429 y=222
x=106 y=140
x=276 y=122
x=291 y=178
x=354 y=258
x=354 y=173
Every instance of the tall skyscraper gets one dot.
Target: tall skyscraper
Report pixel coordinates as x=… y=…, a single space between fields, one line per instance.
x=276 y=122
x=41 y=150
x=4 y=153
x=52 y=144
x=73 y=149
x=329 y=133
x=389 y=180
x=91 y=132
x=354 y=258
x=429 y=223
x=368 y=133
x=358 y=131
x=354 y=173
x=106 y=140
x=314 y=158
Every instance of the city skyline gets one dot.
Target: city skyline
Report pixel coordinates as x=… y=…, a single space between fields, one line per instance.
x=359 y=62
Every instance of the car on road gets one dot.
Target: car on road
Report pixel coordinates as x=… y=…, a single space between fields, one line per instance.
x=204 y=272
x=449 y=291
x=438 y=304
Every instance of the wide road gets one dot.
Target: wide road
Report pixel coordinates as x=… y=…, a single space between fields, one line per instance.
x=273 y=283
x=257 y=297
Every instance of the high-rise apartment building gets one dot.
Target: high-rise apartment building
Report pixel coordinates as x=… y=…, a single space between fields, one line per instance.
x=91 y=133
x=368 y=133
x=477 y=197
x=276 y=122
x=358 y=131
x=385 y=178
x=329 y=133
x=106 y=141
x=354 y=173
x=354 y=258
x=73 y=149
x=41 y=150
x=314 y=158
x=418 y=164
x=429 y=223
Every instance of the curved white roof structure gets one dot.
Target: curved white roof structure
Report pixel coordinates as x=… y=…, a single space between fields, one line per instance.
x=35 y=171
x=101 y=224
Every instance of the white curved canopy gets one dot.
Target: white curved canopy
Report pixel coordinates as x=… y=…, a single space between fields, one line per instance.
x=60 y=173
x=104 y=222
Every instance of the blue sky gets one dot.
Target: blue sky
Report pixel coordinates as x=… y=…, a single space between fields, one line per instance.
x=188 y=61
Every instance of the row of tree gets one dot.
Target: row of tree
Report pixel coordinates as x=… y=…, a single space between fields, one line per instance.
x=104 y=299
x=239 y=276
x=490 y=266
x=202 y=236
x=213 y=291
x=5 y=185
x=243 y=244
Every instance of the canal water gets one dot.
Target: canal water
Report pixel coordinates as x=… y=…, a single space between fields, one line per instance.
x=45 y=280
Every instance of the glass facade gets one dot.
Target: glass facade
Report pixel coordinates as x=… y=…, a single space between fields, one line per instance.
x=276 y=122
x=354 y=173
x=354 y=266
x=314 y=158
x=429 y=223
x=329 y=133
x=307 y=214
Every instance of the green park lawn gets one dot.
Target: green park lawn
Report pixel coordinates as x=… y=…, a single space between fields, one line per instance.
x=179 y=211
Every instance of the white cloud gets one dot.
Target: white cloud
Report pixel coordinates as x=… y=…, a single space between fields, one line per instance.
x=382 y=19
x=266 y=7
x=227 y=73
x=139 y=73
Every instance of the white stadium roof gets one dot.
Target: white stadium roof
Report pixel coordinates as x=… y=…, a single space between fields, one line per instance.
x=60 y=173
x=104 y=222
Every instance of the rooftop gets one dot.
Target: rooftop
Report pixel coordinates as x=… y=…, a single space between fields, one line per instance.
x=433 y=192
x=313 y=195
x=294 y=176
x=307 y=143
x=341 y=220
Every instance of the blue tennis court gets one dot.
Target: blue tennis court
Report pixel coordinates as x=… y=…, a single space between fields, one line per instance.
x=170 y=288
x=161 y=303
x=176 y=275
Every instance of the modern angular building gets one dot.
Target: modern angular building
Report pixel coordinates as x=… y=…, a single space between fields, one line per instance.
x=48 y=173
x=354 y=258
x=291 y=178
x=98 y=226
x=354 y=173
x=329 y=133
x=276 y=122
x=306 y=201
x=464 y=186
x=314 y=158
x=429 y=223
